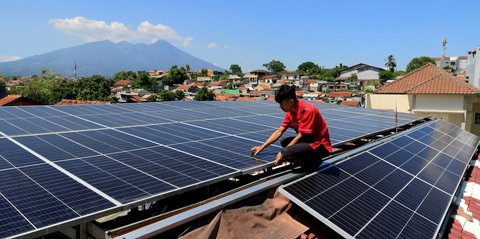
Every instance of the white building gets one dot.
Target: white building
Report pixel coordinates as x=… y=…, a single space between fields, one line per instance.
x=366 y=74
x=458 y=63
x=473 y=67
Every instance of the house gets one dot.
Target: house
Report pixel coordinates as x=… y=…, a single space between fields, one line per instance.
x=122 y=84
x=340 y=94
x=254 y=77
x=236 y=80
x=269 y=79
x=473 y=67
x=204 y=79
x=366 y=74
x=157 y=74
x=192 y=88
x=210 y=72
x=458 y=63
x=431 y=91
x=17 y=100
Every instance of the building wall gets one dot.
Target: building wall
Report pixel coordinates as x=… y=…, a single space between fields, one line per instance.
x=473 y=107
x=388 y=102
x=473 y=67
x=439 y=102
x=368 y=75
x=456 y=109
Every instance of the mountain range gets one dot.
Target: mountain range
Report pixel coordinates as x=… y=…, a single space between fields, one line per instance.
x=106 y=58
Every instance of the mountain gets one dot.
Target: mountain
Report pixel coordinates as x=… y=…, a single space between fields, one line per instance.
x=106 y=58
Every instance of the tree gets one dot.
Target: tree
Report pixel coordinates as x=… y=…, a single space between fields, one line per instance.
x=275 y=66
x=166 y=95
x=124 y=75
x=143 y=80
x=388 y=75
x=236 y=70
x=309 y=68
x=175 y=76
x=418 y=62
x=92 y=88
x=204 y=95
x=179 y=95
x=391 y=63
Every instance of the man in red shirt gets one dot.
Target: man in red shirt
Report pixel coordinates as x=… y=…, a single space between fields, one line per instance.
x=312 y=141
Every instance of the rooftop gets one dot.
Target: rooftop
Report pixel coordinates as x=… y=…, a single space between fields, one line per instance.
x=428 y=79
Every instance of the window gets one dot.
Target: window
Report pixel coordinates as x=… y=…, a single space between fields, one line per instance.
x=477 y=117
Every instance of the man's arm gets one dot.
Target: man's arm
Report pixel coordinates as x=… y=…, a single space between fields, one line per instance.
x=274 y=137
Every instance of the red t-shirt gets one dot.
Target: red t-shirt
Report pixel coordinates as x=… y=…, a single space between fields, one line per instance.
x=308 y=120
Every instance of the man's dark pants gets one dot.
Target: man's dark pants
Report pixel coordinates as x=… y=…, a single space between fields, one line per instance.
x=301 y=153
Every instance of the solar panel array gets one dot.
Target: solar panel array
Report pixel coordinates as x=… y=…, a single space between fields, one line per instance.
x=402 y=188
x=61 y=163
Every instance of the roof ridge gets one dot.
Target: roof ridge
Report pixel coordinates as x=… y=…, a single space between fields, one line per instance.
x=459 y=82
x=423 y=83
x=404 y=76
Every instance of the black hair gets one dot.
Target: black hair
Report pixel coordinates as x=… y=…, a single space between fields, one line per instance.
x=286 y=92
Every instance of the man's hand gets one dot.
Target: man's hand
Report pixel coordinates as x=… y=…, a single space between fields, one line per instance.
x=256 y=150
x=279 y=159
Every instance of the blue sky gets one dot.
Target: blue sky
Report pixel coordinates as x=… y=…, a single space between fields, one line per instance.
x=249 y=32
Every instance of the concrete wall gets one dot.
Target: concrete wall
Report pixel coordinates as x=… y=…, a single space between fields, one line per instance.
x=388 y=101
x=368 y=75
x=473 y=67
x=439 y=102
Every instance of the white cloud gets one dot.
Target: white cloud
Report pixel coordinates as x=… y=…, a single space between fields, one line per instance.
x=95 y=30
x=227 y=46
x=212 y=45
x=4 y=58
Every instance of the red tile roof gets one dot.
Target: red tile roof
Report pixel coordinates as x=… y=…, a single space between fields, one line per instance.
x=122 y=83
x=353 y=103
x=429 y=79
x=464 y=221
x=268 y=77
x=8 y=99
x=340 y=94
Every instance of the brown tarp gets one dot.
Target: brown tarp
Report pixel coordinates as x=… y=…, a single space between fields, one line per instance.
x=267 y=220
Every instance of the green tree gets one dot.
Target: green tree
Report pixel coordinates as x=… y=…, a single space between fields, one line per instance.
x=3 y=88
x=92 y=88
x=309 y=68
x=48 y=88
x=152 y=98
x=204 y=95
x=391 y=63
x=388 y=75
x=236 y=70
x=124 y=75
x=143 y=80
x=275 y=66
x=179 y=95
x=165 y=95
x=418 y=62
x=175 y=76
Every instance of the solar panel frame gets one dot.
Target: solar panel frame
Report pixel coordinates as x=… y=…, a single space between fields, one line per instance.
x=328 y=220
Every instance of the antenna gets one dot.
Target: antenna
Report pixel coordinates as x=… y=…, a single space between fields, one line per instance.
x=75 y=70
x=444 y=48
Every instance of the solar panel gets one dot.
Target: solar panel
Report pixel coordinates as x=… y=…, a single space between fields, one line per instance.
x=399 y=189
x=117 y=155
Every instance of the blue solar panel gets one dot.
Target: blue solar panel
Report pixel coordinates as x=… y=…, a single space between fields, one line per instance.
x=117 y=154
x=380 y=193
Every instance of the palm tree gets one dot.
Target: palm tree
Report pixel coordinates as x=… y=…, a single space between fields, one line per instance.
x=391 y=63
